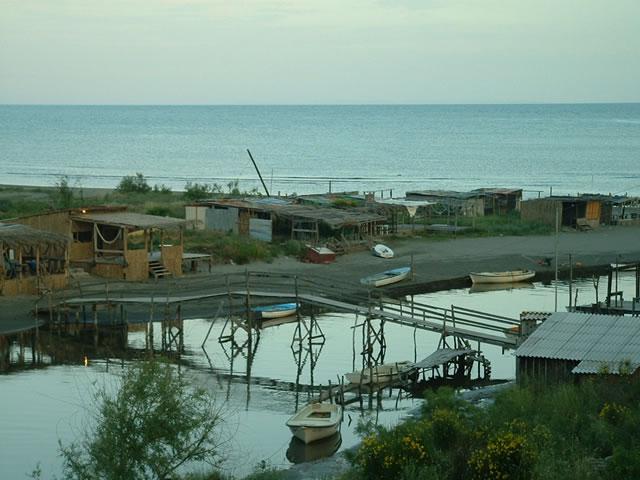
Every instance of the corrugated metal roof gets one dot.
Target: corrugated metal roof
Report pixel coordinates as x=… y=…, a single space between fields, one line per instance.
x=593 y=340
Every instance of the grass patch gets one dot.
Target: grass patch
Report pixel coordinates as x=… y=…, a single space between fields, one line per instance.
x=240 y=249
x=490 y=226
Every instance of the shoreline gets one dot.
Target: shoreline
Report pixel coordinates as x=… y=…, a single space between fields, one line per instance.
x=438 y=264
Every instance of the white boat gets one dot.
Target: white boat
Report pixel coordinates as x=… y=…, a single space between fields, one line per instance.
x=502 y=277
x=623 y=267
x=315 y=421
x=382 y=251
x=384 y=373
x=276 y=311
x=387 y=277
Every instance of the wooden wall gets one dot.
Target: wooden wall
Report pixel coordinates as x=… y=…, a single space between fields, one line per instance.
x=29 y=285
x=56 y=222
x=109 y=270
x=541 y=210
x=137 y=265
x=80 y=251
x=171 y=258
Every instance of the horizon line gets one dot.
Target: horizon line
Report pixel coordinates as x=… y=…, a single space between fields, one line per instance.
x=373 y=104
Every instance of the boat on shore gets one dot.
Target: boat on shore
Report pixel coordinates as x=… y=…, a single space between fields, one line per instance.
x=276 y=311
x=511 y=276
x=383 y=373
x=387 y=277
x=623 y=267
x=382 y=251
x=315 y=421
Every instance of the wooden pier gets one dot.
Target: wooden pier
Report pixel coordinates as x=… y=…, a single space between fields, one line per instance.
x=471 y=325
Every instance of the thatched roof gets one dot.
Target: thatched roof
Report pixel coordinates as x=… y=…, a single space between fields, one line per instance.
x=335 y=218
x=130 y=220
x=17 y=236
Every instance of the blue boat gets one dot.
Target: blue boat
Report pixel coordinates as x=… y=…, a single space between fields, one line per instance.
x=276 y=311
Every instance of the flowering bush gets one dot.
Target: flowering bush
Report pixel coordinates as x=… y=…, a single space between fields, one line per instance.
x=507 y=456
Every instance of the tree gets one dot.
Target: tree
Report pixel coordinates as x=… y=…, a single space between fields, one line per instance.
x=130 y=184
x=63 y=193
x=154 y=425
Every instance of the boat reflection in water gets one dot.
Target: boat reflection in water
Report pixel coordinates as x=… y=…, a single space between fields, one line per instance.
x=492 y=287
x=300 y=452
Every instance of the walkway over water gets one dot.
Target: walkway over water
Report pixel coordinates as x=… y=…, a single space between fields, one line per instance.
x=465 y=323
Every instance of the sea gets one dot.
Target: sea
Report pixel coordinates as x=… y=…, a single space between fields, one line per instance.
x=390 y=149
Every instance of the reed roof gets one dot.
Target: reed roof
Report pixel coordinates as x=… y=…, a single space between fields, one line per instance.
x=18 y=236
x=130 y=220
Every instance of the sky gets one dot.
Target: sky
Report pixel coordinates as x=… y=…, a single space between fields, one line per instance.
x=319 y=51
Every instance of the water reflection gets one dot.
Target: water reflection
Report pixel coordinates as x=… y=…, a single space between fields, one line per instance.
x=300 y=452
x=493 y=287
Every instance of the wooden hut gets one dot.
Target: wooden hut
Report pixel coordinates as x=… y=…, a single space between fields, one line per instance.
x=114 y=243
x=32 y=260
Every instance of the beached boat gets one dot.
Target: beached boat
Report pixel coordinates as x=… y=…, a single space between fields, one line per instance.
x=382 y=251
x=623 y=267
x=502 y=277
x=315 y=421
x=276 y=311
x=387 y=277
x=383 y=373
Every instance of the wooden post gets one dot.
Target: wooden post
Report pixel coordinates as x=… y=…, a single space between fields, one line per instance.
x=95 y=243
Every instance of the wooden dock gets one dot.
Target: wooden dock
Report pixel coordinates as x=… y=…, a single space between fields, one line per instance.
x=456 y=321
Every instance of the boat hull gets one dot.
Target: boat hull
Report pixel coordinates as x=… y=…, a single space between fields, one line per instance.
x=502 y=277
x=386 y=278
x=384 y=373
x=315 y=422
x=313 y=434
x=276 y=311
x=382 y=251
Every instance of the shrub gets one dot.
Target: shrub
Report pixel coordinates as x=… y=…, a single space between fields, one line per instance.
x=154 y=424
x=199 y=191
x=508 y=455
x=133 y=184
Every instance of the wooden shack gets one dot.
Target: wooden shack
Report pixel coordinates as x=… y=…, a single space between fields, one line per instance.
x=114 y=243
x=32 y=261
x=583 y=211
x=263 y=218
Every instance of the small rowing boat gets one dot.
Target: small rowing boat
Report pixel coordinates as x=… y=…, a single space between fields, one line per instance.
x=384 y=373
x=315 y=421
x=276 y=311
x=387 y=277
x=382 y=251
x=502 y=277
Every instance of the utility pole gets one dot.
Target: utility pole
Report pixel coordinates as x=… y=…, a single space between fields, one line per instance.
x=259 y=175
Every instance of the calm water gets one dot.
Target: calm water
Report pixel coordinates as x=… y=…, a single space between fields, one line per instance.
x=572 y=148
x=38 y=406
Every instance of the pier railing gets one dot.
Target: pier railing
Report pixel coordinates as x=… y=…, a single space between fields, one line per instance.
x=261 y=287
